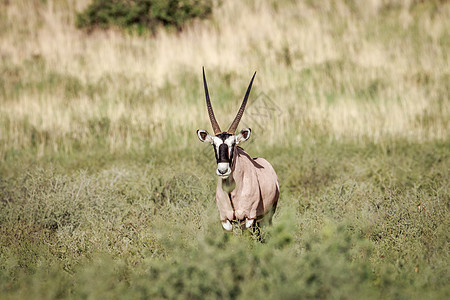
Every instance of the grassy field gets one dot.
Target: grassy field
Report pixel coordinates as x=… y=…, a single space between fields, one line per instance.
x=106 y=192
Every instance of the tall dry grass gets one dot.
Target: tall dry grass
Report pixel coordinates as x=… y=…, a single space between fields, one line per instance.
x=345 y=69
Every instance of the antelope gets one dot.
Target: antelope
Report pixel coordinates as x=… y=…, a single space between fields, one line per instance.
x=247 y=188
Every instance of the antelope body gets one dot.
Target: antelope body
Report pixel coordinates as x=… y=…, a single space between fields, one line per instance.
x=247 y=188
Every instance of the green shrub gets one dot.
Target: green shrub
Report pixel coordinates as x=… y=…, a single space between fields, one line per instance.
x=142 y=14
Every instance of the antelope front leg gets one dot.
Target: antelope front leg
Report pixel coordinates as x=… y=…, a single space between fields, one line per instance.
x=227 y=225
x=224 y=206
x=252 y=215
x=249 y=222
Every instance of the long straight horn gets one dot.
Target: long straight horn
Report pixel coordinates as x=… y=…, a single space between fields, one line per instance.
x=214 y=123
x=236 y=121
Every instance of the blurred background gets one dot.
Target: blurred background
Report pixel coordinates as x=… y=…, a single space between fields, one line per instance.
x=348 y=70
x=105 y=190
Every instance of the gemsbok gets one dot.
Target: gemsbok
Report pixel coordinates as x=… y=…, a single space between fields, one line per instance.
x=247 y=188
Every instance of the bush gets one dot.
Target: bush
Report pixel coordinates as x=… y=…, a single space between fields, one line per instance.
x=142 y=14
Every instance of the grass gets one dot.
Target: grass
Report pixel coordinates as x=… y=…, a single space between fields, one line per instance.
x=105 y=191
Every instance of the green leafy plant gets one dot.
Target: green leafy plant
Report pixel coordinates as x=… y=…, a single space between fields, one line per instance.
x=142 y=14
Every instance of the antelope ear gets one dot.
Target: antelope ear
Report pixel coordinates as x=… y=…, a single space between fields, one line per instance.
x=243 y=135
x=204 y=136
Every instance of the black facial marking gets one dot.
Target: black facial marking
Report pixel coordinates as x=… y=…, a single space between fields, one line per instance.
x=223 y=136
x=222 y=154
x=215 y=152
x=232 y=152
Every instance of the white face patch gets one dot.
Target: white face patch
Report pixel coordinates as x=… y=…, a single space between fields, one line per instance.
x=230 y=143
x=230 y=140
x=223 y=170
x=223 y=167
x=217 y=142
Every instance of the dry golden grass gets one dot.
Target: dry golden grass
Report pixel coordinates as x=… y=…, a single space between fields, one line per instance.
x=359 y=138
x=348 y=70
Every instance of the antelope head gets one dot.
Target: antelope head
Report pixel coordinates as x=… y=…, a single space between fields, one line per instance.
x=224 y=142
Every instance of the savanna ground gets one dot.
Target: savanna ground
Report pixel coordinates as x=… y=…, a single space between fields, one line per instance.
x=106 y=192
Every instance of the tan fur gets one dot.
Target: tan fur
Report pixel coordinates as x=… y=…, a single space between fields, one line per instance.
x=256 y=190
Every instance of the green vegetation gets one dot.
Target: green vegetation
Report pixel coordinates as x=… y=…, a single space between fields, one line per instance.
x=106 y=192
x=142 y=13
x=354 y=222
